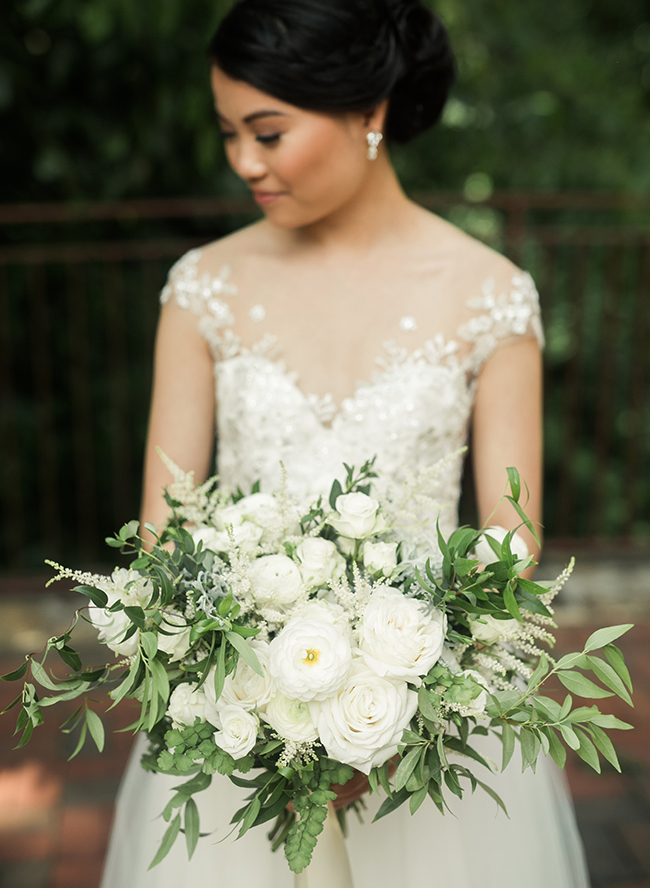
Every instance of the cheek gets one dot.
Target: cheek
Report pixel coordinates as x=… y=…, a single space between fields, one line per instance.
x=324 y=168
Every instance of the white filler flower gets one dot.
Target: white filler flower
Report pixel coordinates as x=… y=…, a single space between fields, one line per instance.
x=238 y=731
x=310 y=659
x=356 y=516
x=319 y=561
x=290 y=719
x=246 y=537
x=401 y=637
x=363 y=723
x=484 y=552
x=245 y=687
x=276 y=582
x=186 y=704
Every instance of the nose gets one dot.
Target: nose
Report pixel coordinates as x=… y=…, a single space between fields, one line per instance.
x=246 y=161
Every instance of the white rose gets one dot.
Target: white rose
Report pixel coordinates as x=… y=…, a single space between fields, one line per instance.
x=245 y=687
x=488 y=629
x=246 y=537
x=276 y=582
x=309 y=659
x=238 y=731
x=228 y=516
x=177 y=643
x=472 y=695
x=133 y=590
x=484 y=552
x=187 y=703
x=320 y=561
x=401 y=637
x=356 y=516
x=290 y=719
x=362 y=724
x=380 y=558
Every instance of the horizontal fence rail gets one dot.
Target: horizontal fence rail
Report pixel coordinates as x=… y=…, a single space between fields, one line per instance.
x=79 y=291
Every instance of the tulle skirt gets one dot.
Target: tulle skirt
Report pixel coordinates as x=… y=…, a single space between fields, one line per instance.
x=537 y=846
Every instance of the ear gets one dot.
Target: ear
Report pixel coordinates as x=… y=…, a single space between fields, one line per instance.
x=375 y=118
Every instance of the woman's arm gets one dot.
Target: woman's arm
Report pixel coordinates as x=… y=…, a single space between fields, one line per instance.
x=181 y=421
x=507 y=431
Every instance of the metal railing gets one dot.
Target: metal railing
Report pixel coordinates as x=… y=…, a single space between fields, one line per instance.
x=78 y=308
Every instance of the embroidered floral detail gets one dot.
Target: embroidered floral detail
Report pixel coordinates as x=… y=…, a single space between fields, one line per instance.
x=408 y=324
x=257 y=313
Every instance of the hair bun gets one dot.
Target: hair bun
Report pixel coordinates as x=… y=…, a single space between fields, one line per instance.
x=419 y=95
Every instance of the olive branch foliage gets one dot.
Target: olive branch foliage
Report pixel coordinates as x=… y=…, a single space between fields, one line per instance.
x=437 y=749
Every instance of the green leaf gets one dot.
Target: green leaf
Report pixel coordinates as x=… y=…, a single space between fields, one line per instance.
x=390 y=804
x=220 y=671
x=615 y=657
x=587 y=751
x=610 y=677
x=407 y=766
x=582 y=686
x=529 y=743
x=41 y=676
x=605 y=636
x=604 y=745
x=17 y=674
x=524 y=517
x=168 y=840
x=515 y=482
x=149 y=644
x=610 y=722
x=569 y=661
x=81 y=741
x=508 y=740
x=425 y=705
x=539 y=673
x=335 y=493
x=136 y=615
x=246 y=651
x=569 y=735
x=250 y=816
x=160 y=679
x=418 y=797
x=497 y=798
x=97 y=596
x=191 y=823
x=96 y=729
x=556 y=749
x=510 y=601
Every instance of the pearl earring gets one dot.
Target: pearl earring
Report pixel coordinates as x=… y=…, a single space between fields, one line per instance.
x=373 y=138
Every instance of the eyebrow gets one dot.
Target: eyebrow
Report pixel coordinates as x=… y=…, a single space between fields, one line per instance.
x=256 y=115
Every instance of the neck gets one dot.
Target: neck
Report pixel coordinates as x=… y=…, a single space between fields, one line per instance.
x=376 y=209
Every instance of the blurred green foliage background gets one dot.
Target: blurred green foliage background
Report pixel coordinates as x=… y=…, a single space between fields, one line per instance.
x=109 y=99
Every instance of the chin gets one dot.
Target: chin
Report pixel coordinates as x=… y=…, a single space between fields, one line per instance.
x=293 y=218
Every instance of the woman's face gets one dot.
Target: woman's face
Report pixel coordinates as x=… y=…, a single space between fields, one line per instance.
x=300 y=165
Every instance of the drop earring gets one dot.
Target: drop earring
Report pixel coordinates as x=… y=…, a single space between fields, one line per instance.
x=373 y=138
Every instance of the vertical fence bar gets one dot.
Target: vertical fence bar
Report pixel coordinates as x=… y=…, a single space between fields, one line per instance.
x=82 y=409
x=10 y=464
x=47 y=471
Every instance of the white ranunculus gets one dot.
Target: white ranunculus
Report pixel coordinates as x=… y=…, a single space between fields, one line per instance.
x=472 y=694
x=275 y=582
x=133 y=590
x=401 y=637
x=356 y=516
x=187 y=703
x=290 y=719
x=331 y=611
x=237 y=732
x=245 y=687
x=488 y=629
x=228 y=516
x=310 y=658
x=380 y=558
x=177 y=643
x=484 y=552
x=362 y=724
x=246 y=537
x=320 y=561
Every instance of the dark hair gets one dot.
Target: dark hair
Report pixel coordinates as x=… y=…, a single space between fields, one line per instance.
x=342 y=55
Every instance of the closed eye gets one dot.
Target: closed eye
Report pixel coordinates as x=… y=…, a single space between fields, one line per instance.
x=268 y=140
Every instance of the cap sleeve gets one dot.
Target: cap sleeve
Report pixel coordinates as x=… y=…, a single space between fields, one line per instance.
x=512 y=313
x=204 y=294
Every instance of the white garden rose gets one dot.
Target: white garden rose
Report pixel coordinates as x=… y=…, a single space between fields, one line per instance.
x=275 y=582
x=401 y=637
x=484 y=552
x=362 y=724
x=237 y=732
x=290 y=719
x=319 y=561
x=357 y=516
x=177 y=642
x=187 y=703
x=133 y=590
x=310 y=658
x=488 y=629
x=246 y=537
x=245 y=687
x=380 y=558
x=472 y=694
x=228 y=516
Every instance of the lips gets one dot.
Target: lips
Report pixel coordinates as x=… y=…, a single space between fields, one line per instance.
x=267 y=197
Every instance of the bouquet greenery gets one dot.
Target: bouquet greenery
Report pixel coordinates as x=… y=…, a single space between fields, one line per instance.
x=311 y=640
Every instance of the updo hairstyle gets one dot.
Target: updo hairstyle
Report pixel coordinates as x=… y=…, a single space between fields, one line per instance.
x=339 y=56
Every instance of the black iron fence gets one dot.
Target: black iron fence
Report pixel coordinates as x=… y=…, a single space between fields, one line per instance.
x=78 y=308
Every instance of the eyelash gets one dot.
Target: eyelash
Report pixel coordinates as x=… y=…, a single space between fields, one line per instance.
x=264 y=140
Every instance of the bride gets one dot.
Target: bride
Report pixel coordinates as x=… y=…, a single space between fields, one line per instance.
x=344 y=280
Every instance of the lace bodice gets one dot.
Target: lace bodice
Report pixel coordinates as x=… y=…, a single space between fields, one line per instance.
x=412 y=413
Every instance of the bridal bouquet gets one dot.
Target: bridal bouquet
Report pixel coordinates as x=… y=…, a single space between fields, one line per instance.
x=294 y=644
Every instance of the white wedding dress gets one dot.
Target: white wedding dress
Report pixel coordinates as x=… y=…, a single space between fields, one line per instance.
x=413 y=413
